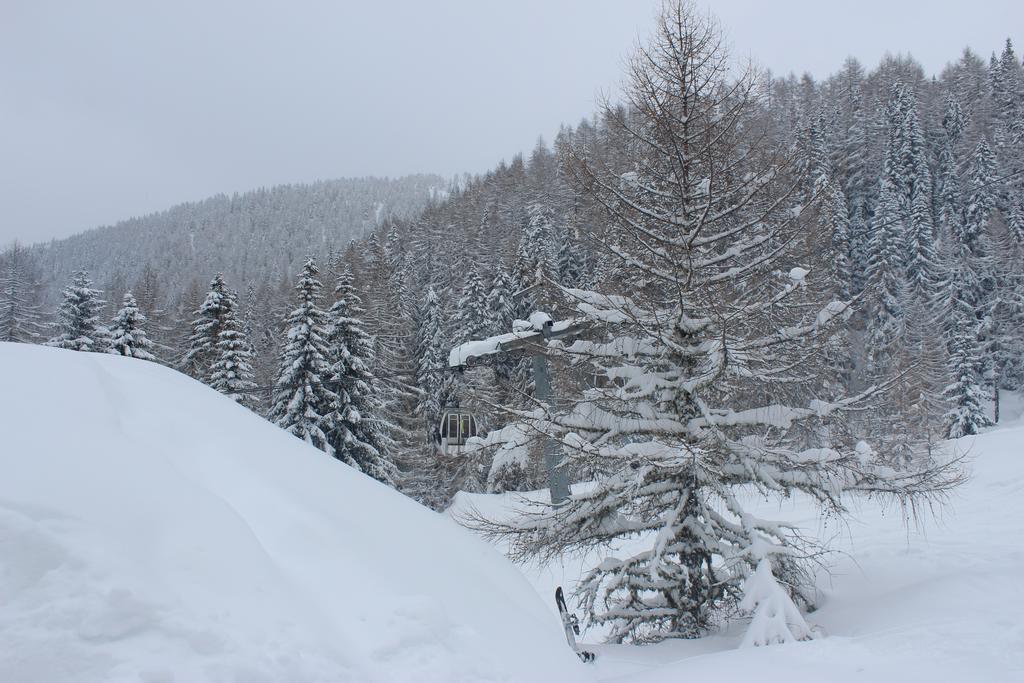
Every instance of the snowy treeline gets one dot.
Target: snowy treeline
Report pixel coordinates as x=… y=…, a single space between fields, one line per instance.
x=253 y=237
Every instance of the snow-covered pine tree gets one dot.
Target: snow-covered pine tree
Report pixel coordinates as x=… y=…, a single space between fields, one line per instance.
x=432 y=374
x=303 y=402
x=1007 y=323
x=1006 y=87
x=500 y=306
x=978 y=279
x=19 y=310
x=128 y=333
x=710 y=361
x=885 y=284
x=472 y=316
x=949 y=195
x=501 y=312
x=966 y=395
x=356 y=429
x=231 y=372
x=853 y=169
x=219 y=352
x=218 y=307
x=981 y=199
x=570 y=258
x=534 y=260
x=1015 y=220
x=78 y=326
x=908 y=172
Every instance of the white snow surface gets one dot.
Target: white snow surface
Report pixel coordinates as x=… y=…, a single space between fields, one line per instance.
x=153 y=530
x=940 y=601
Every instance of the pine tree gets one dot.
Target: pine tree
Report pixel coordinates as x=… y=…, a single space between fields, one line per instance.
x=472 y=317
x=78 y=326
x=1006 y=91
x=950 y=196
x=500 y=305
x=128 y=333
x=19 y=312
x=1015 y=221
x=219 y=352
x=706 y=353
x=981 y=198
x=432 y=374
x=356 y=430
x=885 y=283
x=217 y=308
x=851 y=162
x=303 y=401
x=835 y=221
x=1007 y=325
x=968 y=414
x=908 y=172
x=570 y=258
x=533 y=264
x=231 y=373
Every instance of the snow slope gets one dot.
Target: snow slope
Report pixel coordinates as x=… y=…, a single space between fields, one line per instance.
x=152 y=530
x=940 y=601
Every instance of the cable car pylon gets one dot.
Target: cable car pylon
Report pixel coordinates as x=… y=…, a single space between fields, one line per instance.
x=530 y=337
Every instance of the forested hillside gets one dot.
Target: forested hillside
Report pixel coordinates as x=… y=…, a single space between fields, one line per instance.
x=252 y=238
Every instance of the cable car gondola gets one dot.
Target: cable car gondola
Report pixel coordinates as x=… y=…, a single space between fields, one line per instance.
x=455 y=428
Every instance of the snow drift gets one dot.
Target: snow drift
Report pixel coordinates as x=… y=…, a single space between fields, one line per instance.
x=151 y=529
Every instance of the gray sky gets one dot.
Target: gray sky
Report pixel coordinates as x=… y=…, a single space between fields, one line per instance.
x=114 y=109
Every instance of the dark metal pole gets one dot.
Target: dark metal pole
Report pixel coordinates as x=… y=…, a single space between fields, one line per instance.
x=558 y=479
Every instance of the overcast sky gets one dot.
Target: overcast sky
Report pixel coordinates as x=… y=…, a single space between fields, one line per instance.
x=114 y=109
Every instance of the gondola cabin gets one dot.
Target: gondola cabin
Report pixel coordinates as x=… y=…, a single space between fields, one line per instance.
x=455 y=429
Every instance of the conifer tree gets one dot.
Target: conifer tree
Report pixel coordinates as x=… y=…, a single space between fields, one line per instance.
x=127 y=332
x=356 y=429
x=219 y=352
x=852 y=168
x=885 y=283
x=217 y=308
x=231 y=372
x=950 y=197
x=1006 y=92
x=908 y=172
x=533 y=265
x=981 y=199
x=967 y=414
x=78 y=326
x=19 y=312
x=500 y=305
x=303 y=402
x=1007 y=317
x=707 y=399
x=432 y=374
x=472 y=319
x=570 y=259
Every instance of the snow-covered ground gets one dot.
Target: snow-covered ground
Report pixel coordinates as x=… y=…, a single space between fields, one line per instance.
x=151 y=530
x=938 y=601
